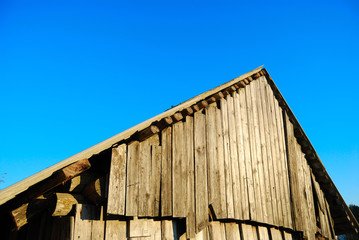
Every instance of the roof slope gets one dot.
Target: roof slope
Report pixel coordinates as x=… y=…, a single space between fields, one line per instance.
x=343 y=218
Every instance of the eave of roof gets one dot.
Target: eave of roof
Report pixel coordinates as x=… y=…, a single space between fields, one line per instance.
x=343 y=217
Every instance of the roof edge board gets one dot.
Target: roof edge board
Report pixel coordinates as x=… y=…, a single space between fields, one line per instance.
x=21 y=186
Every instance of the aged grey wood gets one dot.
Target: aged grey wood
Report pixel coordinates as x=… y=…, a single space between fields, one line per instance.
x=179 y=167
x=98 y=227
x=138 y=228
x=263 y=144
x=241 y=159
x=167 y=230
x=116 y=229
x=200 y=171
x=227 y=165
x=247 y=154
x=83 y=224
x=253 y=138
x=237 y=204
x=166 y=173
x=132 y=179
x=144 y=178
x=275 y=154
x=276 y=234
x=222 y=196
x=287 y=236
x=217 y=231
x=247 y=232
x=117 y=181
x=269 y=145
x=190 y=187
x=156 y=179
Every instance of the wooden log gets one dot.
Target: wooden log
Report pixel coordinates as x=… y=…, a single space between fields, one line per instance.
x=247 y=153
x=227 y=165
x=179 y=169
x=190 y=187
x=132 y=179
x=25 y=212
x=236 y=186
x=177 y=117
x=65 y=203
x=165 y=122
x=241 y=159
x=146 y=133
x=117 y=181
x=187 y=111
x=116 y=229
x=200 y=171
x=255 y=160
x=78 y=183
x=95 y=192
x=166 y=172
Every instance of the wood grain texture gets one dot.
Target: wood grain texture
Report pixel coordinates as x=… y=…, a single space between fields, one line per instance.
x=253 y=138
x=166 y=173
x=247 y=154
x=276 y=234
x=156 y=179
x=190 y=187
x=217 y=231
x=83 y=224
x=117 y=181
x=241 y=158
x=179 y=171
x=263 y=233
x=227 y=165
x=232 y=231
x=236 y=186
x=201 y=193
x=116 y=229
x=132 y=179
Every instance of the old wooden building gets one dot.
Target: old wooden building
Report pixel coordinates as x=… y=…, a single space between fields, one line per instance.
x=231 y=163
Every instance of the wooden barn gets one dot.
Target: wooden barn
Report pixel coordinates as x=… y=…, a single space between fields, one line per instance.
x=231 y=163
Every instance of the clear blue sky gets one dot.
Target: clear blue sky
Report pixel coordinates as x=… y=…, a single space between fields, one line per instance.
x=75 y=73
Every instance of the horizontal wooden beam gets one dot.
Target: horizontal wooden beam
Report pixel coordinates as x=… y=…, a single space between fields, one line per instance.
x=96 y=191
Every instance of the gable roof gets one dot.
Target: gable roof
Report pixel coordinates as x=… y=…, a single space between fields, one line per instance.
x=344 y=220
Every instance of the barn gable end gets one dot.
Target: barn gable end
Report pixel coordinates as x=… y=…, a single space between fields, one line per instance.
x=231 y=163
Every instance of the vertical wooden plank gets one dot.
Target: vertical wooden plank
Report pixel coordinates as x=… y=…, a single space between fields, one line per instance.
x=117 y=182
x=269 y=144
x=241 y=159
x=287 y=236
x=190 y=188
x=253 y=138
x=255 y=233
x=83 y=224
x=202 y=235
x=227 y=166
x=232 y=231
x=310 y=212
x=247 y=154
x=263 y=233
x=247 y=232
x=283 y=156
x=166 y=173
x=178 y=171
x=263 y=145
x=144 y=168
x=276 y=234
x=116 y=230
x=98 y=227
x=156 y=179
x=217 y=231
x=61 y=229
x=132 y=179
x=275 y=154
x=222 y=196
x=167 y=230
x=237 y=201
x=200 y=171
x=139 y=228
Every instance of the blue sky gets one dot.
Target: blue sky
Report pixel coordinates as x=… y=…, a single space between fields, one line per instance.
x=73 y=74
